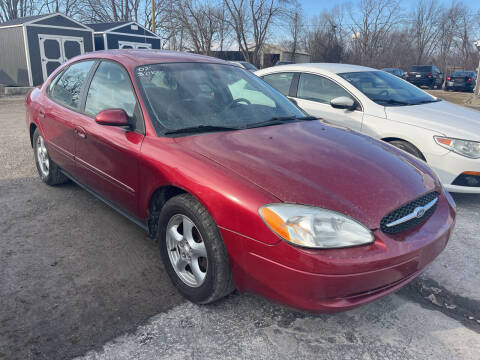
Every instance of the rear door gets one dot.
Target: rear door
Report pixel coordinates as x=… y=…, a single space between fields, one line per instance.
x=60 y=112
x=314 y=94
x=107 y=156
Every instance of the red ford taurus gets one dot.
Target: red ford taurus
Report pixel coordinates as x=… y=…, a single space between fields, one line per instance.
x=238 y=186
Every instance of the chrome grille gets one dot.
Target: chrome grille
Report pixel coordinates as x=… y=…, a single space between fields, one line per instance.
x=410 y=215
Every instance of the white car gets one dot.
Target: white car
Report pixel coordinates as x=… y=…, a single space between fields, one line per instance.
x=381 y=105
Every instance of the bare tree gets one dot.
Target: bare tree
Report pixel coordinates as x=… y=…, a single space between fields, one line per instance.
x=370 y=28
x=296 y=30
x=251 y=21
x=447 y=32
x=200 y=19
x=326 y=42
x=425 y=19
x=13 y=9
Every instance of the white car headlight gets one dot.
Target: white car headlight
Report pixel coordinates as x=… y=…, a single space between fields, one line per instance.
x=466 y=148
x=313 y=227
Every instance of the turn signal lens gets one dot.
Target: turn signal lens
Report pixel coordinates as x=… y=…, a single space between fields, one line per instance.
x=275 y=222
x=312 y=227
x=444 y=141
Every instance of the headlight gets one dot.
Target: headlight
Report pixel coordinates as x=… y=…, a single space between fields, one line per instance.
x=466 y=148
x=314 y=227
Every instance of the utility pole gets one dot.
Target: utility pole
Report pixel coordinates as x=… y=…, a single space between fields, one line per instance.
x=153 y=17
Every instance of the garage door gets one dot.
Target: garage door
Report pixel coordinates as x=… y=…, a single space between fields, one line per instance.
x=55 y=50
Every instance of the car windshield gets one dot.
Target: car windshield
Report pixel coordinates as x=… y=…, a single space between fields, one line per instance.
x=386 y=89
x=421 y=68
x=208 y=96
x=463 y=73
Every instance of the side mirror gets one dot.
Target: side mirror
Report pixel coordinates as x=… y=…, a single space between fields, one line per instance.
x=343 y=102
x=112 y=117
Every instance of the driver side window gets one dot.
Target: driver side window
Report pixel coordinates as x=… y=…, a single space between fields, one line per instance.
x=111 y=89
x=317 y=88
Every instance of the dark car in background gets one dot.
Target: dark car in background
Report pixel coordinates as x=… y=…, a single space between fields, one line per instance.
x=396 y=71
x=425 y=75
x=461 y=80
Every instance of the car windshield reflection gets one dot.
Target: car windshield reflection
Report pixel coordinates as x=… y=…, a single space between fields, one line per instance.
x=386 y=89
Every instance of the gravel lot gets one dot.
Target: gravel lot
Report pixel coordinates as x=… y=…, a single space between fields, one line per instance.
x=77 y=279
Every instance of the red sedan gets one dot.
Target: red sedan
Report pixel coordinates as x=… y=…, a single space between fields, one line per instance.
x=240 y=188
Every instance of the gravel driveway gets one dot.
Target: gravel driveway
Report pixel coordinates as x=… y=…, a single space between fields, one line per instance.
x=77 y=279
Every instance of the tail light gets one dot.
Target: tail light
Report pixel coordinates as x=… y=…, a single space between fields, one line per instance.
x=430 y=75
x=448 y=78
x=408 y=74
x=470 y=80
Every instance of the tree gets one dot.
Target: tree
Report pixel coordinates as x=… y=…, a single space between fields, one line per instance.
x=327 y=41
x=13 y=9
x=372 y=22
x=296 y=30
x=425 y=20
x=201 y=23
x=251 y=21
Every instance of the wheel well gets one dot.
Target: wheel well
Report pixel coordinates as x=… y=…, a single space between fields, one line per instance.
x=157 y=201
x=390 y=139
x=33 y=127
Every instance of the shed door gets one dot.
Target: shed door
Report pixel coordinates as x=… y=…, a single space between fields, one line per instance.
x=55 y=50
x=133 y=45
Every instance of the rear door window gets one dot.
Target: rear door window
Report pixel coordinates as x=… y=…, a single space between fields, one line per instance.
x=280 y=81
x=318 y=88
x=68 y=89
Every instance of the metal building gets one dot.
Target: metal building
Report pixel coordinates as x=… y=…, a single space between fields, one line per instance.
x=124 y=35
x=31 y=48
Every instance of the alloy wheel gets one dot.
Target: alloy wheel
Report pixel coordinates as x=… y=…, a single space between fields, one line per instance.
x=186 y=250
x=42 y=157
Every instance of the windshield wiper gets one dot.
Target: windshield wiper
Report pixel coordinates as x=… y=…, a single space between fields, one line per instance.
x=392 y=101
x=427 y=101
x=278 y=120
x=199 y=129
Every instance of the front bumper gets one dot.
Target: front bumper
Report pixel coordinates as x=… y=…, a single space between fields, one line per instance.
x=450 y=166
x=341 y=279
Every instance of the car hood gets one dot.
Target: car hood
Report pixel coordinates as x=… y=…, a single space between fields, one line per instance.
x=320 y=165
x=442 y=116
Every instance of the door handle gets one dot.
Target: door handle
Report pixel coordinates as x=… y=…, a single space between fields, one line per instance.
x=80 y=132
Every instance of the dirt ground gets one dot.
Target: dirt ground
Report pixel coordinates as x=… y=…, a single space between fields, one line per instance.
x=460 y=98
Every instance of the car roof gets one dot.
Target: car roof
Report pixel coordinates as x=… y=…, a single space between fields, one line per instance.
x=322 y=67
x=132 y=58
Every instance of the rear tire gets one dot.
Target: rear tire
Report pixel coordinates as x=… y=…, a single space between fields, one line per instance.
x=193 y=251
x=409 y=148
x=49 y=171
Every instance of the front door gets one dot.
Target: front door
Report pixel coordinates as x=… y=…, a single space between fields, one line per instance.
x=56 y=49
x=314 y=94
x=107 y=156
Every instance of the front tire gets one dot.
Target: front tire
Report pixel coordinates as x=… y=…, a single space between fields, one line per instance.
x=193 y=251
x=409 y=148
x=49 y=172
